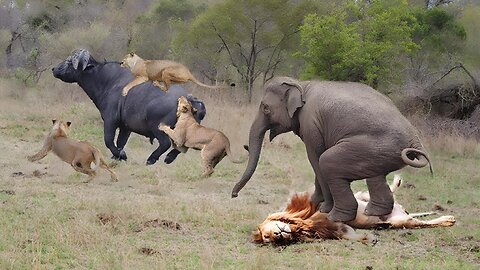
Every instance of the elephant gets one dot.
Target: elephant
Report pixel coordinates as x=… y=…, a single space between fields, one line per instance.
x=350 y=131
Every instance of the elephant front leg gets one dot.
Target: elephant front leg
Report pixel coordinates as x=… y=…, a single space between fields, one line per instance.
x=381 y=197
x=334 y=169
x=321 y=196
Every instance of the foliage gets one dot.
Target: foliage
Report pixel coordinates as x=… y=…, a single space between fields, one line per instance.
x=359 y=41
x=254 y=35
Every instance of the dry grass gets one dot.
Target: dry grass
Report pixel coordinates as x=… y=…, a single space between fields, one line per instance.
x=50 y=219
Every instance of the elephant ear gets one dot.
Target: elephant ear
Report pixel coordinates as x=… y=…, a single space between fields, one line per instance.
x=294 y=96
x=80 y=56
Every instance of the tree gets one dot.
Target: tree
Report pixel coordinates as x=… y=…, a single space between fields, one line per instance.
x=359 y=41
x=252 y=34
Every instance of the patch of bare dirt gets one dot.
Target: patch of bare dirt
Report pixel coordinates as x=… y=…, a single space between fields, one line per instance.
x=156 y=223
x=148 y=251
x=106 y=218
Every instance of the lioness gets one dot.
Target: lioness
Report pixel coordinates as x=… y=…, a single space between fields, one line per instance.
x=157 y=71
x=79 y=154
x=214 y=145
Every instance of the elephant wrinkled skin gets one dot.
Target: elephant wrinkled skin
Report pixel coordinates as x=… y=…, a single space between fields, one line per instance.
x=351 y=132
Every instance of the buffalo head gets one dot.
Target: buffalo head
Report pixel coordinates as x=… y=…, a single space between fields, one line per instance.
x=77 y=62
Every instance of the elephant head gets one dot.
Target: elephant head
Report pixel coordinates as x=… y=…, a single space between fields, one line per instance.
x=283 y=97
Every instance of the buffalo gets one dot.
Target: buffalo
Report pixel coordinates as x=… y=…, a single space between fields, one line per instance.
x=141 y=111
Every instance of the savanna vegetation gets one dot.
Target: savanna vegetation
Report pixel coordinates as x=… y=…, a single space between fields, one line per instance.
x=423 y=54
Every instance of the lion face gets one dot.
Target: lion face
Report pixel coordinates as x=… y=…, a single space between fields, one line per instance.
x=273 y=231
x=60 y=128
x=130 y=60
x=184 y=106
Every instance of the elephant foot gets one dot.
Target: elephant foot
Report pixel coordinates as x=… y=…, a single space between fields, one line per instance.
x=341 y=215
x=326 y=207
x=377 y=209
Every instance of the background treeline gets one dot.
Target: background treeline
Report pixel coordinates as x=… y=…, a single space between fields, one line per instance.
x=416 y=50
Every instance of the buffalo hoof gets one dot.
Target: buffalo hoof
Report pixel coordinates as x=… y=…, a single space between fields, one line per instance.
x=374 y=209
x=339 y=215
x=151 y=161
x=123 y=155
x=169 y=159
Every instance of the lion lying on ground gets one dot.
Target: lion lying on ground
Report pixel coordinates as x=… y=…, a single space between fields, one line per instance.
x=157 y=71
x=213 y=144
x=79 y=154
x=301 y=221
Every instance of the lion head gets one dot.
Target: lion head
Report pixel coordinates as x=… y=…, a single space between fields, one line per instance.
x=184 y=106
x=130 y=60
x=299 y=222
x=60 y=128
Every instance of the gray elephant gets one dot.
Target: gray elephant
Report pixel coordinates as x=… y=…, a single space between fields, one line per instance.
x=351 y=132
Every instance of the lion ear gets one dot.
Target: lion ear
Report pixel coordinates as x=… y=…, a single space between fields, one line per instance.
x=132 y=53
x=54 y=121
x=69 y=123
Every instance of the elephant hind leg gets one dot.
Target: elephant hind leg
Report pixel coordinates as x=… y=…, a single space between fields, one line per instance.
x=381 y=197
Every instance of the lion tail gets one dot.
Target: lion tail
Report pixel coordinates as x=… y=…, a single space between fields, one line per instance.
x=97 y=156
x=194 y=80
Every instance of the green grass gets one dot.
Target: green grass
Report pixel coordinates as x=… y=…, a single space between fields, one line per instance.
x=52 y=221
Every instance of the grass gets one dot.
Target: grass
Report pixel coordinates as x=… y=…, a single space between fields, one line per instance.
x=50 y=219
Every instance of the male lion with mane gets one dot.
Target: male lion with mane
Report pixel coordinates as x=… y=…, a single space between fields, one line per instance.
x=79 y=154
x=301 y=221
x=214 y=145
x=165 y=71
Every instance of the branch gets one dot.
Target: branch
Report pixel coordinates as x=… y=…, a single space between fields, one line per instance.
x=228 y=50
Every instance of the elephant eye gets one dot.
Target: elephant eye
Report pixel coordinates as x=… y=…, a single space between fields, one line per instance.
x=265 y=109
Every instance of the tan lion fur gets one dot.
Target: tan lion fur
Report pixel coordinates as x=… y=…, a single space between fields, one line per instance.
x=79 y=154
x=301 y=221
x=213 y=144
x=165 y=71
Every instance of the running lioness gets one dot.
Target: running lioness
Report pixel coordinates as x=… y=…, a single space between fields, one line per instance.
x=165 y=71
x=79 y=154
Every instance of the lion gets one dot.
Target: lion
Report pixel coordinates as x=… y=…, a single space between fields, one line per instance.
x=302 y=222
x=165 y=71
x=79 y=154
x=213 y=144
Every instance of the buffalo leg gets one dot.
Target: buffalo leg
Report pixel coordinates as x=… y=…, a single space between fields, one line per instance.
x=122 y=139
x=164 y=144
x=381 y=198
x=109 y=137
x=171 y=156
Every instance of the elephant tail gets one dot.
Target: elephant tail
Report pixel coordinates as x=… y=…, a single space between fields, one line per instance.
x=420 y=158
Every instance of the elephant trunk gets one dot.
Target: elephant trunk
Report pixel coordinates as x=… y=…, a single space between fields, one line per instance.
x=257 y=133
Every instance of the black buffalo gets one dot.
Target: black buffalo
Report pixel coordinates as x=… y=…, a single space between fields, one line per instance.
x=141 y=111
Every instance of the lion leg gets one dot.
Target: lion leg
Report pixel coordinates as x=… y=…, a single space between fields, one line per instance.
x=83 y=168
x=174 y=136
x=411 y=223
x=47 y=146
x=138 y=80
x=208 y=161
x=349 y=233
x=104 y=165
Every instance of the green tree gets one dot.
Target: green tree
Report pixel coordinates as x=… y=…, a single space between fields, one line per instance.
x=252 y=35
x=358 y=41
